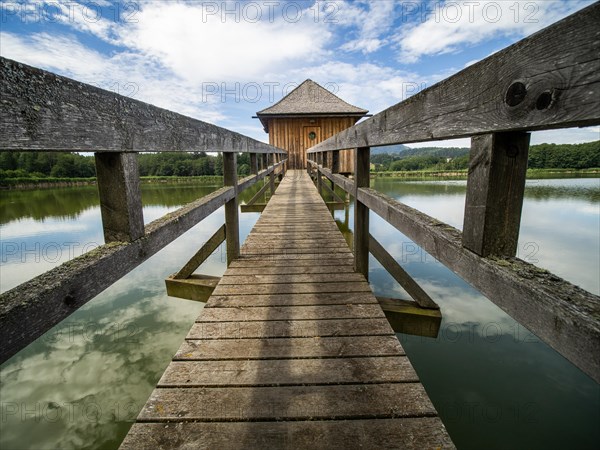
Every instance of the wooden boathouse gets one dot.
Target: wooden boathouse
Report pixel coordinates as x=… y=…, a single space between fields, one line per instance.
x=293 y=350
x=305 y=117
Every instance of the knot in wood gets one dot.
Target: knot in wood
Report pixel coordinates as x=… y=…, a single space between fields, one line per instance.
x=515 y=94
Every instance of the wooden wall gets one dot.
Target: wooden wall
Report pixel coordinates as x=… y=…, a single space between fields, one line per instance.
x=291 y=134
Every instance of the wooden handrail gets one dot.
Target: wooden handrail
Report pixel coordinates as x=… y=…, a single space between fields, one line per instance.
x=42 y=111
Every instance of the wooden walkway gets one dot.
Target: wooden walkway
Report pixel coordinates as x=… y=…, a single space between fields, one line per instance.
x=291 y=351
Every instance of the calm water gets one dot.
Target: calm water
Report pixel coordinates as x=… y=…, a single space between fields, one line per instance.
x=494 y=384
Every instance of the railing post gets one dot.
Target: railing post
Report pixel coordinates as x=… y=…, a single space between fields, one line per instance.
x=272 y=178
x=325 y=160
x=232 y=223
x=319 y=180
x=335 y=161
x=495 y=188
x=253 y=163
x=362 y=167
x=120 y=196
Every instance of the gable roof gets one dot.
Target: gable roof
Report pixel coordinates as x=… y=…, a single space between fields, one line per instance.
x=310 y=99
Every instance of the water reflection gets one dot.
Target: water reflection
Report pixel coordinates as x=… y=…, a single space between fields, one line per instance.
x=494 y=383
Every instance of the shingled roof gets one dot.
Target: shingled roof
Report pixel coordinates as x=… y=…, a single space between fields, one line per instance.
x=310 y=99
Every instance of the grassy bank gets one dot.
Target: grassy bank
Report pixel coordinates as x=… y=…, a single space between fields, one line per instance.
x=462 y=174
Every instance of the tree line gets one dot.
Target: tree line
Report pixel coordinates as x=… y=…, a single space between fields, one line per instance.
x=42 y=165
x=543 y=156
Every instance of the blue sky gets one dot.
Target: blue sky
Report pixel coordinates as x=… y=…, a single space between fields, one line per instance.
x=223 y=61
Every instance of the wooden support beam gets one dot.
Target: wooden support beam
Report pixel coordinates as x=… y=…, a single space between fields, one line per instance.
x=205 y=251
x=196 y=287
x=325 y=163
x=344 y=182
x=120 y=196
x=260 y=192
x=335 y=161
x=253 y=163
x=336 y=197
x=400 y=275
x=408 y=317
x=495 y=189
x=548 y=80
x=319 y=181
x=272 y=183
x=362 y=167
x=232 y=221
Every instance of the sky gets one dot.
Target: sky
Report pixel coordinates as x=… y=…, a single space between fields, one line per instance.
x=222 y=61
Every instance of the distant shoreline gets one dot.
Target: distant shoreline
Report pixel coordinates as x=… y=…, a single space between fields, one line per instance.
x=44 y=183
x=215 y=180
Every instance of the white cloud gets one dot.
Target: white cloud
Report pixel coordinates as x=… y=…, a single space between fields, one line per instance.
x=201 y=48
x=126 y=73
x=374 y=21
x=451 y=25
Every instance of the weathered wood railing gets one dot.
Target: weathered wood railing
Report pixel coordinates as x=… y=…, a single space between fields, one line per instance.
x=41 y=111
x=549 y=80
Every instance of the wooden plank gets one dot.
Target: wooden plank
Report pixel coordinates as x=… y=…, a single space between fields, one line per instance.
x=292 y=288
x=44 y=111
x=400 y=275
x=267 y=249
x=298 y=347
x=295 y=240
x=406 y=433
x=268 y=313
x=256 y=279
x=205 y=251
x=287 y=270
x=293 y=402
x=120 y=196
x=362 y=166
x=327 y=298
x=301 y=260
x=560 y=313
x=232 y=221
x=288 y=372
x=560 y=64
x=290 y=328
x=495 y=189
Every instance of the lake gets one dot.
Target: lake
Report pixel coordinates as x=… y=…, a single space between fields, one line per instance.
x=494 y=383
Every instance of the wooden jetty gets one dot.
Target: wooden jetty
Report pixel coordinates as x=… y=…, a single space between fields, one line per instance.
x=291 y=351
